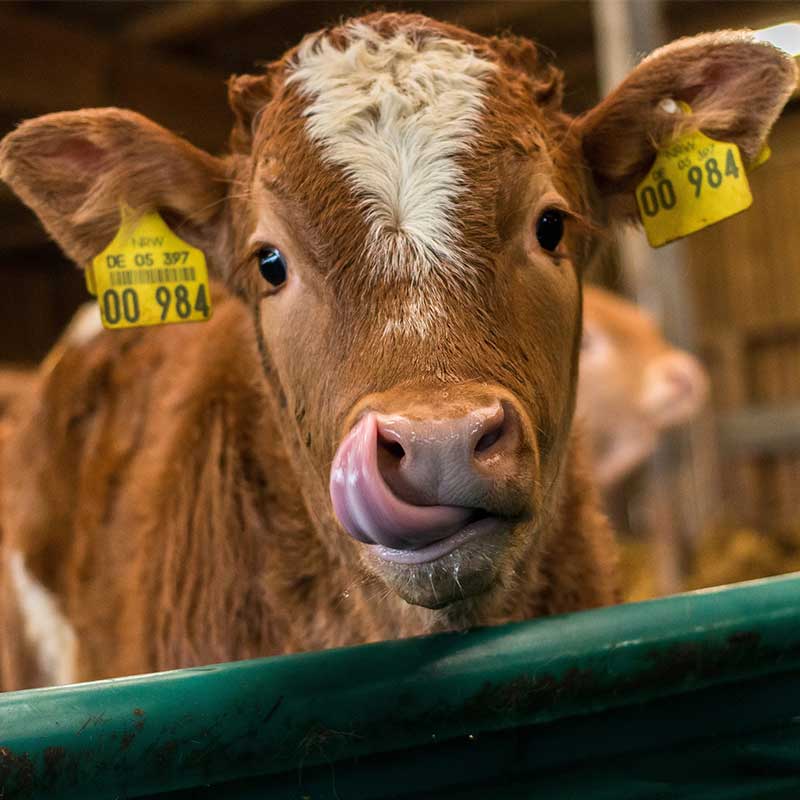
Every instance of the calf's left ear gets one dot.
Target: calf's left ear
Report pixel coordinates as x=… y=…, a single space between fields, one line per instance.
x=76 y=168
x=736 y=87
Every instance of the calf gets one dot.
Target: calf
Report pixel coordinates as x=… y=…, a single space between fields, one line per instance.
x=632 y=386
x=371 y=438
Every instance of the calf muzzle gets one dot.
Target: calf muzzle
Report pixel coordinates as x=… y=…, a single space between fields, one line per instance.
x=419 y=483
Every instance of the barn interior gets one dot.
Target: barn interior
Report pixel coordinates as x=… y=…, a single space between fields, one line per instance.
x=720 y=499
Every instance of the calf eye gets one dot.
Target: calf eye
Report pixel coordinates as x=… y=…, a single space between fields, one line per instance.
x=550 y=229
x=272 y=265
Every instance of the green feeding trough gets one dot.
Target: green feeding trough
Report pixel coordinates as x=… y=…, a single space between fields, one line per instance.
x=692 y=696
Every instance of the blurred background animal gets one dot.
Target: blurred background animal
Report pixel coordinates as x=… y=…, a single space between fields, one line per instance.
x=632 y=385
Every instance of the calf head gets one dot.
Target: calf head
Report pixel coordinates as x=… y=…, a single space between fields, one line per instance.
x=633 y=385
x=407 y=211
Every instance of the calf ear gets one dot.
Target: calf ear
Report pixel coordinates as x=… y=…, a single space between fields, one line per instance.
x=76 y=168
x=735 y=86
x=247 y=96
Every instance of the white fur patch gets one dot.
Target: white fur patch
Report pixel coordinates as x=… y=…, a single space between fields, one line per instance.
x=45 y=626
x=85 y=325
x=416 y=317
x=394 y=114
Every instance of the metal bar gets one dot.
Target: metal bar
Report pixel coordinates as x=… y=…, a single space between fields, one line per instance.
x=762 y=431
x=209 y=725
x=695 y=745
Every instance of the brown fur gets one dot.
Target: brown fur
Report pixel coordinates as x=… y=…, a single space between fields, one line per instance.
x=169 y=486
x=130 y=518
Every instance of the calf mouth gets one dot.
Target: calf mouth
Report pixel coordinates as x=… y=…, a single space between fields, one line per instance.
x=481 y=525
x=429 y=552
x=463 y=566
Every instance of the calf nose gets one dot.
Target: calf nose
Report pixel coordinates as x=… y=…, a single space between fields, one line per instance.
x=405 y=483
x=428 y=461
x=675 y=388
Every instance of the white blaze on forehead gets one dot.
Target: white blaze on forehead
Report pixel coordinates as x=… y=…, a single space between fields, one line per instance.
x=416 y=317
x=45 y=627
x=394 y=114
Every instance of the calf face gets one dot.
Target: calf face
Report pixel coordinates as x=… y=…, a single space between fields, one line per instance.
x=407 y=211
x=633 y=385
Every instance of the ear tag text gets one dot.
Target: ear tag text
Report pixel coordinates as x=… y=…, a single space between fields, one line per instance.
x=694 y=182
x=149 y=276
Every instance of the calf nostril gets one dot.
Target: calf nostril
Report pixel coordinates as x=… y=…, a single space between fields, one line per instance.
x=488 y=439
x=391 y=448
x=491 y=436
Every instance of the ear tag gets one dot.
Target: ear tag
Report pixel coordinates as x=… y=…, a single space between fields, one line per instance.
x=694 y=182
x=149 y=276
x=761 y=158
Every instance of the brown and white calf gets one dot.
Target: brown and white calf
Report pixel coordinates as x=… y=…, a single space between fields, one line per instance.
x=371 y=438
x=632 y=385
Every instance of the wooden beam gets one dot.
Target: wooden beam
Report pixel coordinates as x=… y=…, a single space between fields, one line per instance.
x=45 y=66
x=554 y=22
x=176 y=22
x=761 y=431
x=70 y=69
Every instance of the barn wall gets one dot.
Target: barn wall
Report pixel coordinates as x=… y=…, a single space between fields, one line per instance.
x=744 y=276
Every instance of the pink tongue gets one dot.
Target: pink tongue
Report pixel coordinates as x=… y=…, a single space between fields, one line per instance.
x=368 y=509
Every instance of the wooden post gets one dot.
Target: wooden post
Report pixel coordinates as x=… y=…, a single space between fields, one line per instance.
x=623 y=32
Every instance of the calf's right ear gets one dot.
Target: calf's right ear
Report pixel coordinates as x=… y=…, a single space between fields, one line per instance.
x=75 y=169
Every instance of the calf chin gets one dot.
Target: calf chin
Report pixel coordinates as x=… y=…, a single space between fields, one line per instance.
x=473 y=569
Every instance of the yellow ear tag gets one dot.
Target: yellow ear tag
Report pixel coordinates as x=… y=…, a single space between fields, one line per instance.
x=149 y=276
x=761 y=158
x=694 y=182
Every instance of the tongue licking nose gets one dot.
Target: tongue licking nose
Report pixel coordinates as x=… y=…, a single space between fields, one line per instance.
x=438 y=459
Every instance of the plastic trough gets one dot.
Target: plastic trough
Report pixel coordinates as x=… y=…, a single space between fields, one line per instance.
x=696 y=695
